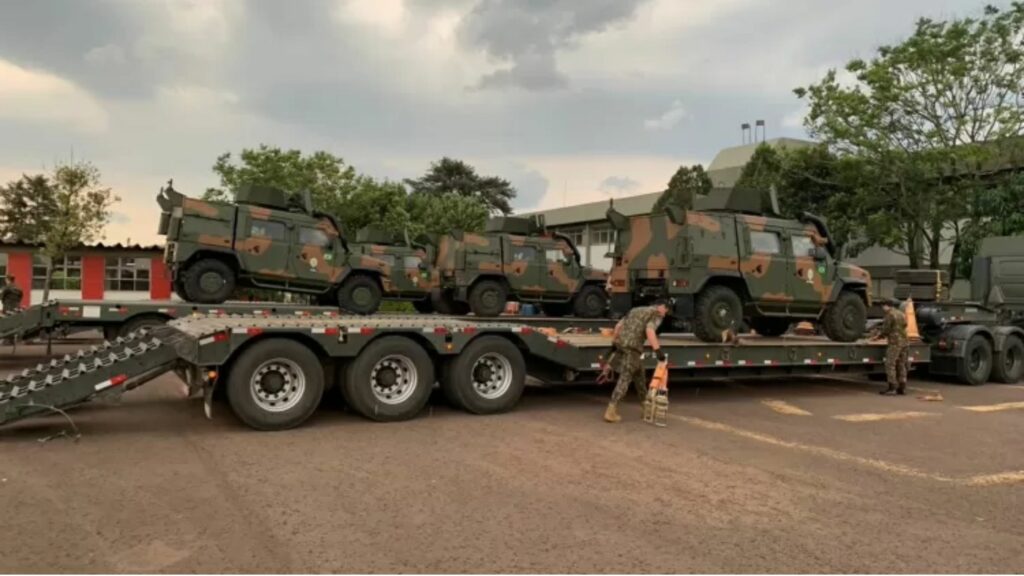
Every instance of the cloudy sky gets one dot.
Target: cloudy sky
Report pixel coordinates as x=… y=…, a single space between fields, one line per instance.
x=571 y=100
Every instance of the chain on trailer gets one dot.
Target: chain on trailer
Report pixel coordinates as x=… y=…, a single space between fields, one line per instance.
x=101 y=370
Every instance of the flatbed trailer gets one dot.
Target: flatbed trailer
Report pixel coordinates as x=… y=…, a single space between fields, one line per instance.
x=274 y=370
x=59 y=318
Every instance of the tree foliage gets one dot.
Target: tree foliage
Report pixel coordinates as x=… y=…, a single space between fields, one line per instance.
x=683 y=187
x=450 y=176
x=928 y=120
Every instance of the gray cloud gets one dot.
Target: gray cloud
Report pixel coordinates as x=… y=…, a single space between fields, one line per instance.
x=527 y=34
x=618 y=185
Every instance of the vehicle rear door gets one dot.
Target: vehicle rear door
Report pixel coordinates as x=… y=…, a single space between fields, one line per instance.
x=262 y=243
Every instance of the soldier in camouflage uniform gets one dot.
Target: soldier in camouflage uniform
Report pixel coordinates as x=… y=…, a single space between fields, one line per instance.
x=894 y=330
x=628 y=341
x=10 y=296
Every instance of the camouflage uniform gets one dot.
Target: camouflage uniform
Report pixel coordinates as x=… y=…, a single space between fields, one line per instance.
x=10 y=297
x=630 y=345
x=894 y=330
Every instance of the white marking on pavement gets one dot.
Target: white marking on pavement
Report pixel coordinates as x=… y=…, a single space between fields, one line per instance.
x=883 y=416
x=996 y=407
x=785 y=408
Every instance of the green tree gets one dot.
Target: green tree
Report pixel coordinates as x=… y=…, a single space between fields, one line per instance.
x=450 y=176
x=683 y=187
x=26 y=205
x=923 y=116
x=446 y=212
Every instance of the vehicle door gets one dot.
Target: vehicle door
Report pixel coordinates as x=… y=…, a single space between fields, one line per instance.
x=316 y=255
x=524 y=265
x=563 y=270
x=766 y=266
x=810 y=280
x=262 y=244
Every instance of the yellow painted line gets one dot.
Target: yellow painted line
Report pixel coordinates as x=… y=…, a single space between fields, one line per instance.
x=996 y=479
x=996 y=407
x=785 y=408
x=883 y=416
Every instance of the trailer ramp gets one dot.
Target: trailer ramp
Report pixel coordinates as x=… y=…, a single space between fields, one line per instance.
x=106 y=369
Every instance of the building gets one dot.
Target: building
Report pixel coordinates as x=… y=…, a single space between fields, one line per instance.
x=114 y=272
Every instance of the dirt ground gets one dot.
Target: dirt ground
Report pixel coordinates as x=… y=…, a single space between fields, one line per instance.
x=818 y=475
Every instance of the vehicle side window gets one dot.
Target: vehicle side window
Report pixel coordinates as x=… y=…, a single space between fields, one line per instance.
x=386 y=258
x=412 y=261
x=559 y=254
x=803 y=246
x=268 y=229
x=314 y=237
x=764 y=242
x=527 y=253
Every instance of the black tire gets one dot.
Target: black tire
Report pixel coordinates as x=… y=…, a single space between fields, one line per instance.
x=445 y=303
x=976 y=365
x=718 y=308
x=770 y=326
x=555 y=309
x=424 y=306
x=488 y=377
x=208 y=281
x=1009 y=362
x=179 y=288
x=590 y=302
x=263 y=401
x=487 y=298
x=373 y=381
x=139 y=323
x=359 y=294
x=846 y=319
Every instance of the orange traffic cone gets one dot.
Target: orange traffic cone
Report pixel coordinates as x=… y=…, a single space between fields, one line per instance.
x=912 y=331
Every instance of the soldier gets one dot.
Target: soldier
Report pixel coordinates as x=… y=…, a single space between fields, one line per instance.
x=894 y=330
x=628 y=340
x=10 y=296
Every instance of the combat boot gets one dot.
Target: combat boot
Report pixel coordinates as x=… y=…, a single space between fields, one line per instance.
x=611 y=414
x=890 y=391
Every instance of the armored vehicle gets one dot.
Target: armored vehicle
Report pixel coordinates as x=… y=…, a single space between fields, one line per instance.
x=270 y=239
x=731 y=259
x=517 y=259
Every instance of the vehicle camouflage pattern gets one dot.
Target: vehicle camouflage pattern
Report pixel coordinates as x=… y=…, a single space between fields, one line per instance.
x=515 y=259
x=732 y=259
x=269 y=239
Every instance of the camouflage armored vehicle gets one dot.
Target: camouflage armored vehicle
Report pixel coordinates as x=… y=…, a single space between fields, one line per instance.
x=732 y=259
x=269 y=239
x=515 y=259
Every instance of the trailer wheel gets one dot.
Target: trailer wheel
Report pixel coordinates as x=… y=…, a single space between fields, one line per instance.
x=359 y=294
x=590 y=302
x=1009 y=363
x=208 y=281
x=487 y=298
x=976 y=365
x=390 y=379
x=718 y=308
x=487 y=377
x=275 y=384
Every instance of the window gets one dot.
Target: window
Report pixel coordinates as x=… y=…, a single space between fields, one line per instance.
x=764 y=242
x=67 y=273
x=314 y=237
x=412 y=262
x=524 y=253
x=268 y=229
x=3 y=265
x=575 y=234
x=803 y=246
x=600 y=236
x=127 y=274
x=386 y=258
x=560 y=254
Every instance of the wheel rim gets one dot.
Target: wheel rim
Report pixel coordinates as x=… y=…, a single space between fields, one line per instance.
x=490 y=299
x=277 y=385
x=362 y=296
x=722 y=315
x=211 y=282
x=974 y=360
x=1012 y=359
x=492 y=376
x=594 y=303
x=393 y=379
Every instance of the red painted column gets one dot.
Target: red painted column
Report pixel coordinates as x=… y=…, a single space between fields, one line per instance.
x=93 y=270
x=19 y=265
x=159 y=280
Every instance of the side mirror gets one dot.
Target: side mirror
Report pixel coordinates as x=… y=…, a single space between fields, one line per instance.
x=820 y=253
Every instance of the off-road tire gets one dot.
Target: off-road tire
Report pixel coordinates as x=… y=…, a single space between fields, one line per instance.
x=487 y=298
x=845 y=320
x=770 y=326
x=976 y=365
x=1009 y=362
x=208 y=281
x=488 y=377
x=359 y=294
x=718 y=308
x=555 y=309
x=243 y=383
x=424 y=306
x=401 y=357
x=590 y=302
